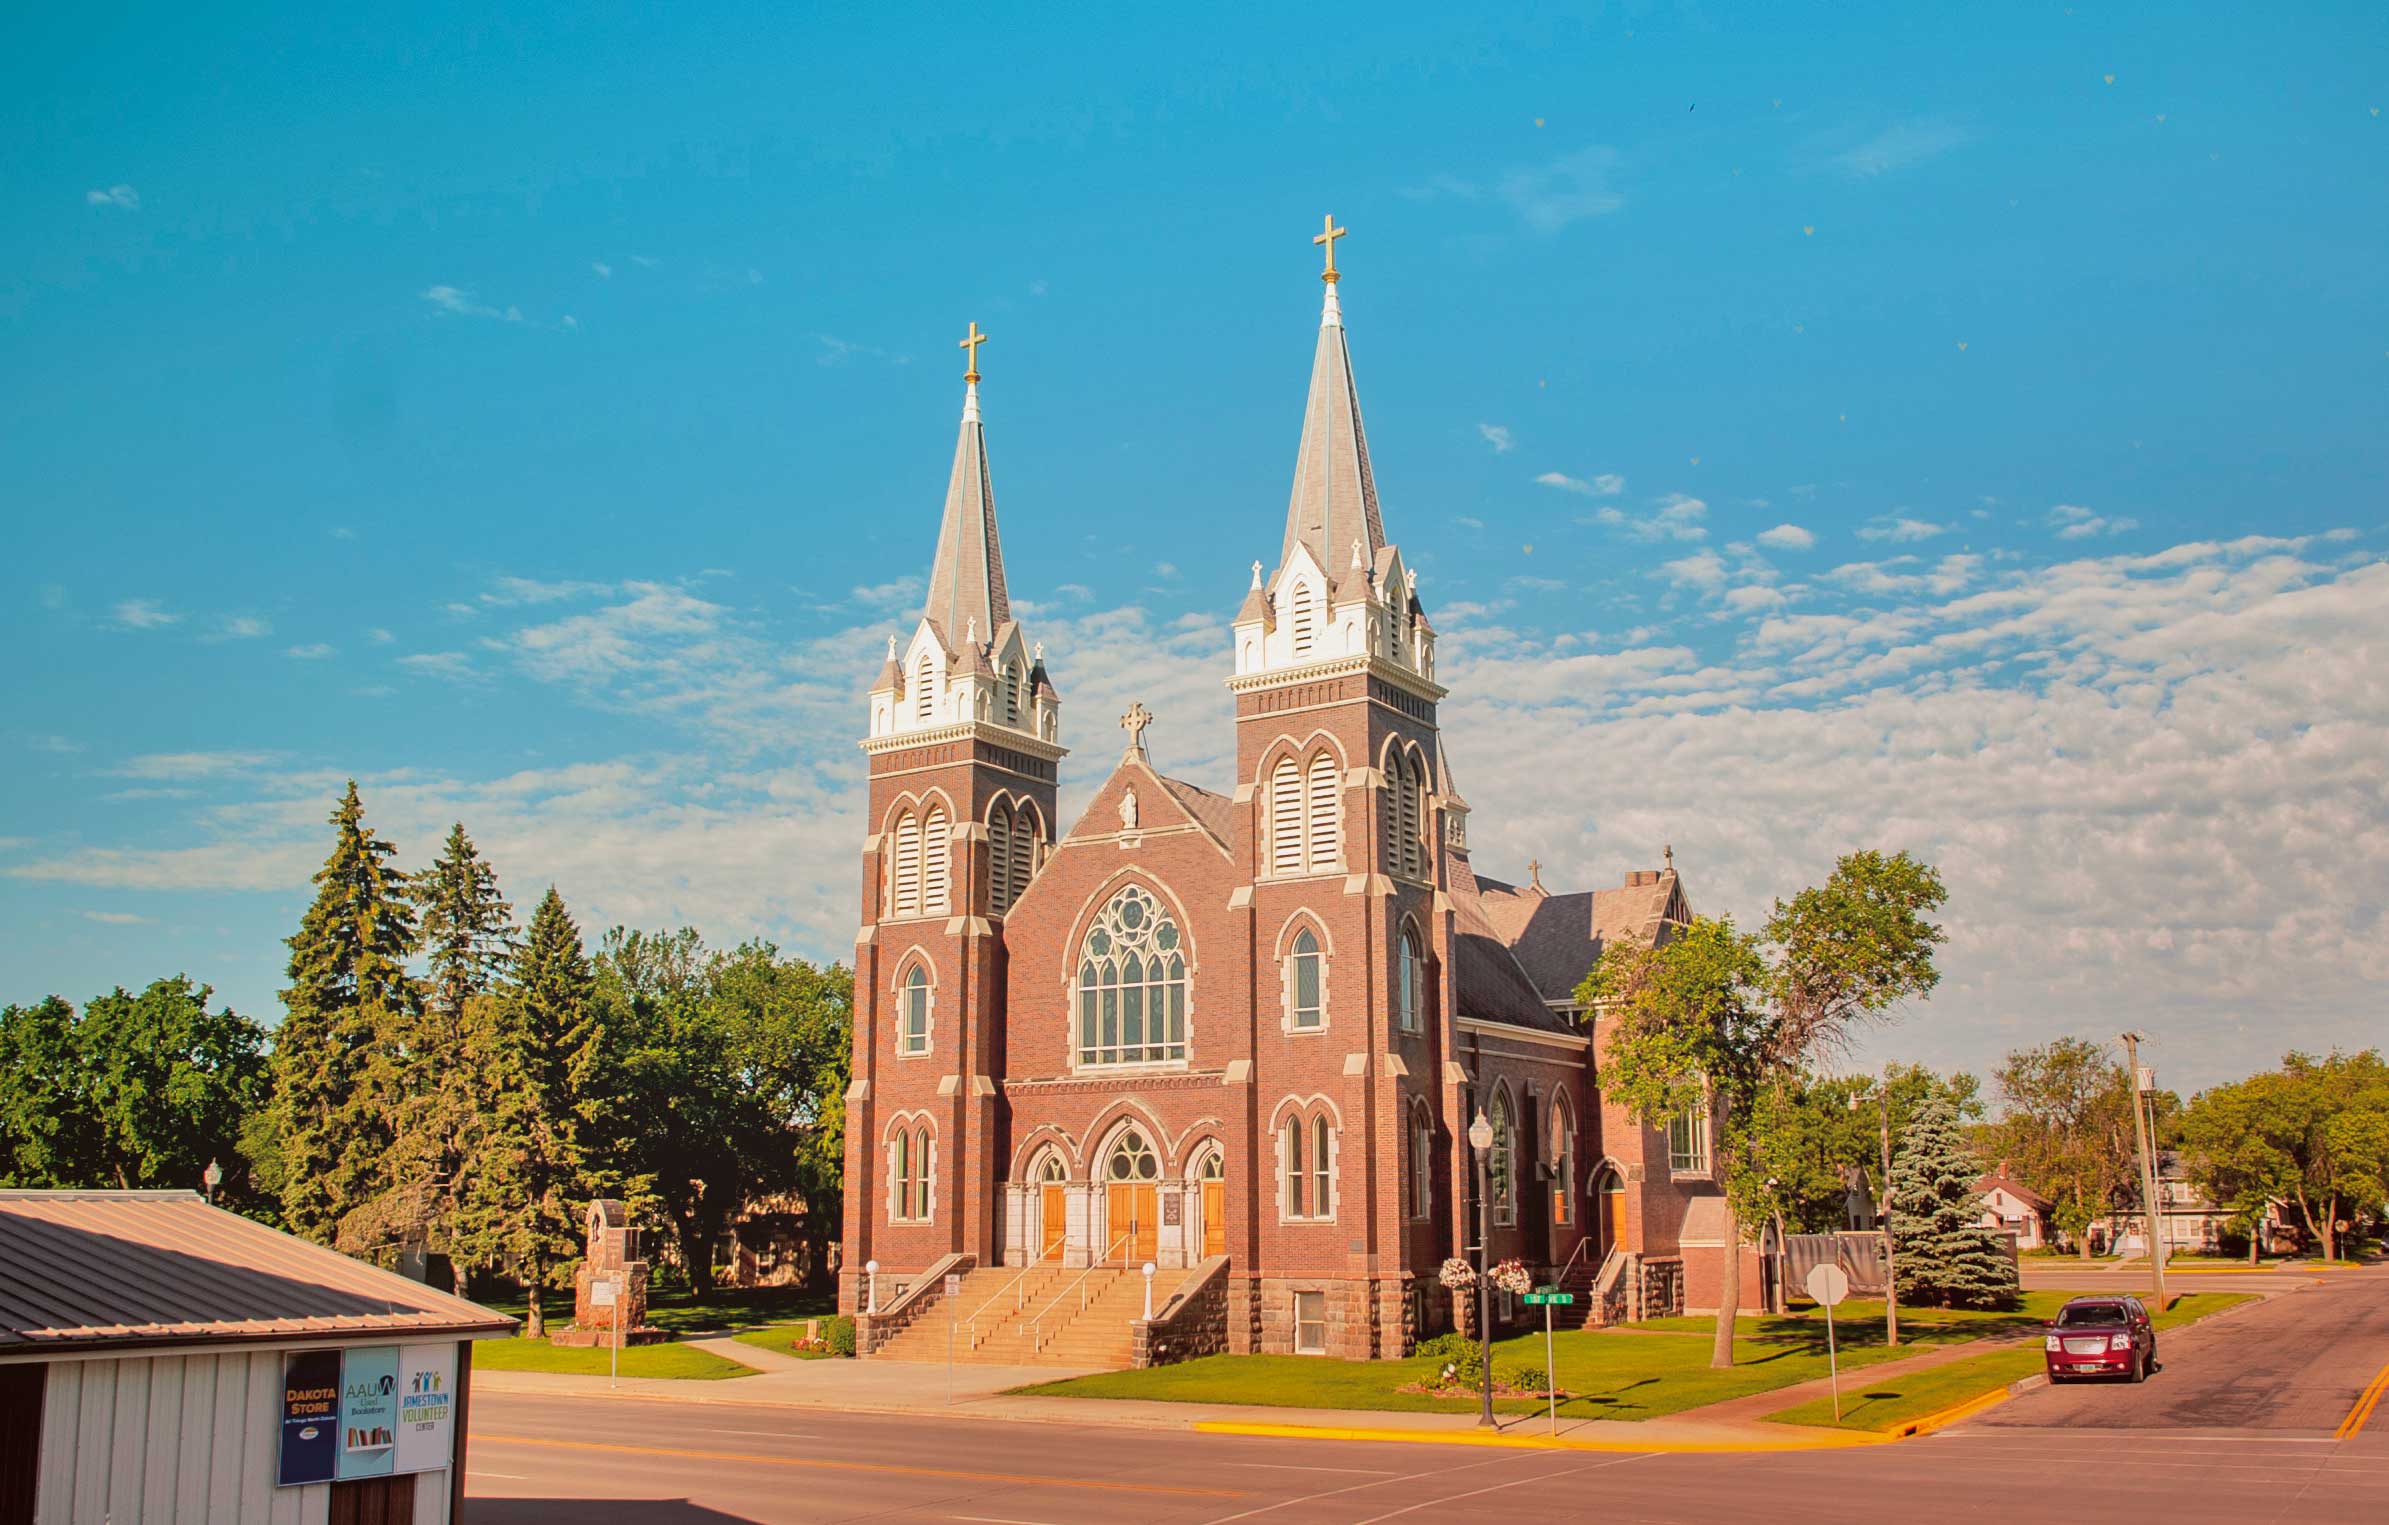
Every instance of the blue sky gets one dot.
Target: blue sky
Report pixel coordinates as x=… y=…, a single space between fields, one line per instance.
x=1843 y=428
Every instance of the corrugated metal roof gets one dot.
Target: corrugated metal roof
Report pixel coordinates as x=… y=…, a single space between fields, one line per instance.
x=109 y=1269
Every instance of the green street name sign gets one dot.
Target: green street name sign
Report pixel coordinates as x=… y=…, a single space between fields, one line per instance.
x=1537 y=1299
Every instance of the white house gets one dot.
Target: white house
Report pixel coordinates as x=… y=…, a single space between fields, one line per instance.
x=164 y=1360
x=2016 y=1210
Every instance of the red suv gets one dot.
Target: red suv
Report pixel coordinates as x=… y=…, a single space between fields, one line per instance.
x=2098 y=1336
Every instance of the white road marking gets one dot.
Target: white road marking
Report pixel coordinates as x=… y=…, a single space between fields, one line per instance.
x=1288 y=1466
x=1516 y=1482
x=775 y=1434
x=1328 y=1493
x=995 y=1519
x=512 y=1477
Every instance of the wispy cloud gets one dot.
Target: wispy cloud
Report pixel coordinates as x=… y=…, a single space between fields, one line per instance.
x=239 y=627
x=602 y=268
x=1788 y=537
x=531 y=590
x=1899 y=529
x=456 y=301
x=837 y=351
x=115 y=918
x=1546 y=197
x=184 y=766
x=1498 y=436
x=440 y=664
x=122 y=197
x=313 y=651
x=1674 y=517
x=1607 y=485
x=1903 y=145
x=2074 y=522
x=144 y=614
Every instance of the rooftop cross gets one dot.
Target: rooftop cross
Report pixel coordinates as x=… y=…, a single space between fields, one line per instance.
x=972 y=344
x=1134 y=723
x=1327 y=236
x=1534 y=872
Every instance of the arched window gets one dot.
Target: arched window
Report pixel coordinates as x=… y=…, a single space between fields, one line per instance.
x=937 y=845
x=1285 y=817
x=1297 y=1178
x=1213 y=1167
x=1322 y=851
x=1306 y=1006
x=1305 y=618
x=904 y=883
x=912 y=1033
x=1132 y=985
x=924 y=687
x=1012 y=693
x=1024 y=853
x=1132 y=1159
x=999 y=856
x=1323 y=1197
x=1563 y=1161
x=1501 y=1175
x=1413 y=810
x=1422 y=1161
x=1410 y=983
x=912 y=1175
x=1052 y=1172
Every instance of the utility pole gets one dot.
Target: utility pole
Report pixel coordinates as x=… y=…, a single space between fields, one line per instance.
x=1891 y=1270
x=2148 y=1174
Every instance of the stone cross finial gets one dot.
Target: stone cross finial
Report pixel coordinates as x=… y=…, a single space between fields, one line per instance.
x=1256 y=577
x=1534 y=872
x=970 y=631
x=1358 y=558
x=1669 y=853
x=1040 y=651
x=891 y=648
x=1134 y=723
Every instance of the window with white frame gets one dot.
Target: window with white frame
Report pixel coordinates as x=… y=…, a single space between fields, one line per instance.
x=1306 y=1146
x=912 y=1166
x=1310 y=1323
x=912 y=1032
x=1410 y=983
x=1422 y=1161
x=1305 y=815
x=1132 y=985
x=1563 y=1162
x=1306 y=983
x=1323 y=1195
x=1688 y=1142
x=1501 y=1172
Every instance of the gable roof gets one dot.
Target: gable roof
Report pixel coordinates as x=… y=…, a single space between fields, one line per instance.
x=2000 y=1180
x=1215 y=813
x=84 y=1270
x=1489 y=982
x=1557 y=939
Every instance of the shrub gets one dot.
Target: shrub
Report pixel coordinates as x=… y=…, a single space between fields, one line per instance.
x=839 y=1332
x=1523 y=1379
x=1447 y=1347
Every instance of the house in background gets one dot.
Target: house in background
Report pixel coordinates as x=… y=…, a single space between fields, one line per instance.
x=2014 y=1209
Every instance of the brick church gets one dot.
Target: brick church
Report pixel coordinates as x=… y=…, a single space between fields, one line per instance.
x=1239 y=1036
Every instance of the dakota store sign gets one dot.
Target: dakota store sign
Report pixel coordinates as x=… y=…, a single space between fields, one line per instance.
x=367 y=1411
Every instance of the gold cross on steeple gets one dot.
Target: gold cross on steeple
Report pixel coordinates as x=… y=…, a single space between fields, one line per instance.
x=1328 y=236
x=972 y=344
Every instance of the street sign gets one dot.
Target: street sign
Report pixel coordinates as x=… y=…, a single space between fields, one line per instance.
x=953 y=1286
x=1828 y=1284
x=1548 y=1299
x=601 y=1294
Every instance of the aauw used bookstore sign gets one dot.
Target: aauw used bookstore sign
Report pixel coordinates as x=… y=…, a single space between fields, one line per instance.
x=366 y=1411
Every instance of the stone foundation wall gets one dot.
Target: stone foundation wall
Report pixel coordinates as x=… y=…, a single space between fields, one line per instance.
x=1662 y=1287
x=872 y=1330
x=1196 y=1326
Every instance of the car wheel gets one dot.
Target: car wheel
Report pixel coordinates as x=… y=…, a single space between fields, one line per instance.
x=2139 y=1367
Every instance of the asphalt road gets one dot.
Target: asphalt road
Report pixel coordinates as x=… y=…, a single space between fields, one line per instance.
x=2236 y=1429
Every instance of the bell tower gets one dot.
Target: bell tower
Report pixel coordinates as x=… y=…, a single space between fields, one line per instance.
x=962 y=748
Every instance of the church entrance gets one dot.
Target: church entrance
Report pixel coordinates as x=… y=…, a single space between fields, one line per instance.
x=1609 y=1200
x=1131 y=1200
x=1053 y=1208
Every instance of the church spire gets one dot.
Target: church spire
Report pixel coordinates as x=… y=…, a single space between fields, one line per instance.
x=1334 y=501
x=966 y=582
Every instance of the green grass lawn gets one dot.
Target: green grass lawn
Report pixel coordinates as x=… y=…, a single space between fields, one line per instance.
x=667 y=1360
x=1642 y=1373
x=1897 y=1399
x=682 y=1313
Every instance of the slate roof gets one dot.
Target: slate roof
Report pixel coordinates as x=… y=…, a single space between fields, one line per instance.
x=107 y=1270
x=1215 y=813
x=966 y=581
x=1334 y=501
x=1490 y=982
x=1556 y=939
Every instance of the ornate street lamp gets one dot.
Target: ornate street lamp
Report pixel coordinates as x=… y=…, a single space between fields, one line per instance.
x=211 y=1178
x=1480 y=1140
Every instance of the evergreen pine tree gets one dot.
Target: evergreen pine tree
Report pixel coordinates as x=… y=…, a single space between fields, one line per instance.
x=536 y=1047
x=347 y=1014
x=1946 y=1258
x=468 y=941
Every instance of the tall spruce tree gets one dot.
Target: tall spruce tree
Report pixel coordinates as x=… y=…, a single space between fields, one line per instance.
x=338 y=1054
x=468 y=943
x=536 y=1046
x=1946 y=1258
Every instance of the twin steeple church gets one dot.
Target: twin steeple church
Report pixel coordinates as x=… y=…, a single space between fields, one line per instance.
x=1236 y=1037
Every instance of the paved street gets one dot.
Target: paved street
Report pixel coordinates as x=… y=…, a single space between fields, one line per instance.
x=2237 y=1428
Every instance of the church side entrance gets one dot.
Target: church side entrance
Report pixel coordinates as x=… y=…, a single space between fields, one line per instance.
x=1215 y=1206
x=1131 y=1201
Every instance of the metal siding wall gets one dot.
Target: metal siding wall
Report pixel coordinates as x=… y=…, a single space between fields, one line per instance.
x=128 y=1442
x=54 y=1495
x=191 y=1441
x=227 y=1426
x=160 y=1476
x=260 y=1414
x=95 y=1433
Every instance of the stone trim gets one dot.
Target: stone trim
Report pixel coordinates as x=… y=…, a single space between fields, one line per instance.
x=923 y=1292
x=1194 y=1322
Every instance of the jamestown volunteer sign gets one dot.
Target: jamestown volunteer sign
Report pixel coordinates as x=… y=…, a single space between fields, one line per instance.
x=367 y=1411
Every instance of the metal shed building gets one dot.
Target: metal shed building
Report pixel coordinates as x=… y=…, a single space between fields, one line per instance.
x=164 y=1360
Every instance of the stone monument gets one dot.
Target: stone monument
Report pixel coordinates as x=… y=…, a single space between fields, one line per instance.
x=611 y=1260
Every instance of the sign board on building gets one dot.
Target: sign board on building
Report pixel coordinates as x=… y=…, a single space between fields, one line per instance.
x=368 y=1411
x=601 y=1293
x=1173 y=1211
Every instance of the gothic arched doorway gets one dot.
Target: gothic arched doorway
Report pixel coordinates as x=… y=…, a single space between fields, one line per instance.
x=1609 y=1209
x=1210 y=1175
x=1131 y=1199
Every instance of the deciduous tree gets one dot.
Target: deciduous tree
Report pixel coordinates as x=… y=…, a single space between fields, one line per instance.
x=2314 y=1134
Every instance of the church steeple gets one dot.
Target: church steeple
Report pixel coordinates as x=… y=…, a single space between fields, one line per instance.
x=1334 y=501
x=966 y=582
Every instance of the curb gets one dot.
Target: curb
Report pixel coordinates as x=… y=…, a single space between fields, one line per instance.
x=1828 y=1440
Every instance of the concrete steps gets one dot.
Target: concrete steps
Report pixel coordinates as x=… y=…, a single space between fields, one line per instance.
x=995 y=1324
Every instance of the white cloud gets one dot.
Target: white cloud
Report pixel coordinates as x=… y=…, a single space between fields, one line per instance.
x=240 y=627
x=1900 y=146
x=1569 y=189
x=1702 y=569
x=458 y=302
x=2073 y=522
x=1788 y=537
x=1675 y=517
x=313 y=651
x=530 y=590
x=440 y=664
x=379 y=636
x=123 y=197
x=837 y=351
x=1498 y=436
x=191 y=765
x=602 y=268
x=1606 y=485
x=115 y=918
x=144 y=614
x=1899 y=529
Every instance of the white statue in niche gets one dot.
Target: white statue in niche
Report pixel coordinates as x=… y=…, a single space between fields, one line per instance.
x=1128 y=810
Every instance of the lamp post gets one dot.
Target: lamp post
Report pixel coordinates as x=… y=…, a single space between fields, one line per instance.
x=211 y=1178
x=1480 y=1140
x=871 y=1294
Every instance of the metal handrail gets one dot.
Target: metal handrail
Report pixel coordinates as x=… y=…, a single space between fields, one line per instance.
x=1560 y=1278
x=1079 y=1285
x=1018 y=1287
